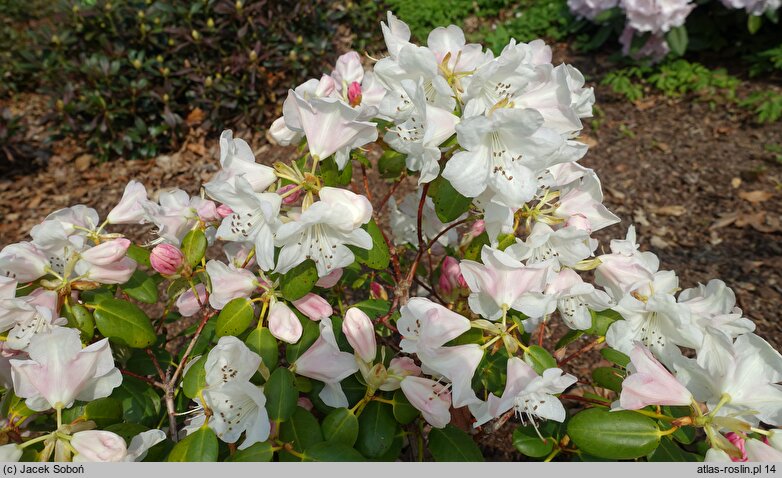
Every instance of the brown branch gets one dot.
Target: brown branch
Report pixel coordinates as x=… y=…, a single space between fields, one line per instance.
x=142 y=378
x=584 y=349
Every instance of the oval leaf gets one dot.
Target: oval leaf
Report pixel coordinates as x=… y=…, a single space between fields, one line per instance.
x=80 y=318
x=539 y=359
x=341 y=426
x=329 y=451
x=200 y=445
x=141 y=287
x=608 y=377
x=449 y=204
x=404 y=412
x=260 y=452
x=194 y=247
x=452 y=444
x=124 y=323
x=302 y=431
x=378 y=257
x=377 y=428
x=281 y=395
x=621 y=435
x=195 y=378
x=297 y=282
x=235 y=317
x=262 y=342
x=527 y=441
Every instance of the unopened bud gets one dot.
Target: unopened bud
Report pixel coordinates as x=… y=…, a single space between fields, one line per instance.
x=354 y=94
x=360 y=332
x=291 y=198
x=376 y=291
x=166 y=259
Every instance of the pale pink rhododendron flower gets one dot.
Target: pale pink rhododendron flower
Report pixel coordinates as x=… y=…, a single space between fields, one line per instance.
x=313 y=306
x=60 y=372
x=649 y=383
x=284 y=324
x=431 y=398
x=106 y=446
x=360 y=332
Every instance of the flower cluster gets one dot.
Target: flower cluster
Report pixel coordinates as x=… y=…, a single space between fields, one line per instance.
x=290 y=302
x=647 y=22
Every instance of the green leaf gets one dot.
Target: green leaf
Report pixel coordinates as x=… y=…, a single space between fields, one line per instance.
x=331 y=174
x=341 y=426
x=377 y=428
x=310 y=333
x=504 y=241
x=302 y=430
x=608 y=377
x=449 y=204
x=141 y=287
x=374 y=308
x=281 y=395
x=452 y=444
x=139 y=254
x=615 y=356
x=200 y=445
x=669 y=451
x=567 y=339
x=378 y=257
x=677 y=40
x=330 y=451
x=297 y=282
x=194 y=247
x=104 y=411
x=14 y=407
x=473 y=251
x=539 y=359
x=80 y=318
x=621 y=435
x=262 y=342
x=140 y=402
x=235 y=317
x=124 y=323
x=601 y=321
x=259 y=452
x=754 y=22
x=195 y=378
x=527 y=441
x=391 y=164
x=404 y=412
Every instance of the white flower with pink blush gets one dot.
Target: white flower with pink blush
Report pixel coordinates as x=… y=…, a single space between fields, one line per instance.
x=106 y=446
x=60 y=372
x=429 y=397
x=283 y=323
x=649 y=383
x=228 y=283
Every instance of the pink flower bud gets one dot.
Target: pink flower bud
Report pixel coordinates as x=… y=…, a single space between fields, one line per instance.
x=313 y=306
x=451 y=276
x=284 y=324
x=292 y=197
x=579 y=221
x=99 y=445
x=224 y=211
x=329 y=281
x=166 y=259
x=376 y=291
x=649 y=383
x=305 y=403
x=207 y=211
x=107 y=253
x=354 y=94
x=360 y=332
x=739 y=443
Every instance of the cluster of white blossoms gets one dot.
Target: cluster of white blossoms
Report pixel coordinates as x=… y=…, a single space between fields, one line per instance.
x=502 y=132
x=655 y=18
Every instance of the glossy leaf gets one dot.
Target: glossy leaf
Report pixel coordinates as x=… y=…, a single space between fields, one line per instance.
x=141 y=287
x=262 y=342
x=235 y=317
x=452 y=444
x=341 y=426
x=281 y=395
x=194 y=247
x=377 y=428
x=257 y=452
x=124 y=323
x=299 y=281
x=200 y=445
x=620 y=435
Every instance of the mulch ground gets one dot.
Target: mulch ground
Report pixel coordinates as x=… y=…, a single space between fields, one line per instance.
x=695 y=178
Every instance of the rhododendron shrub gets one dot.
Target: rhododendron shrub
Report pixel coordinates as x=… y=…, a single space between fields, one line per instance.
x=421 y=274
x=651 y=29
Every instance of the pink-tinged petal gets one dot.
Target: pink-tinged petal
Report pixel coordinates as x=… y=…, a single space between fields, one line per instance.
x=98 y=446
x=106 y=253
x=313 y=306
x=116 y=273
x=759 y=451
x=330 y=280
x=457 y=364
x=360 y=332
x=166 y=259
x=130 y=209
x=651 y=383
x=430 y=398
x=187 y=303
x=23 y=261
x=284 y=324
x=230 y=360
x=228 y=283
x=348 y=68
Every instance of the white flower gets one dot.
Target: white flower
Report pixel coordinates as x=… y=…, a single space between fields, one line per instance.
x=502 y=283
x=751 y=381
x=238 y=407
x=106 y=446
x=656 y=16
x=230 y=360
x=130 y=209
x=590 y=8
x=530 y=394
x=228 y=283
x=431 y=398
x=236 y=157
x=254 y=218
x=60 y=372
x=325 y=362
x=584 y=198
x=564 y=247
x=452 y=51
x=575 y=298
x=23 y=261
x=323 y=232
x=420 y=134
x=283 y=323
x=504 y=152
